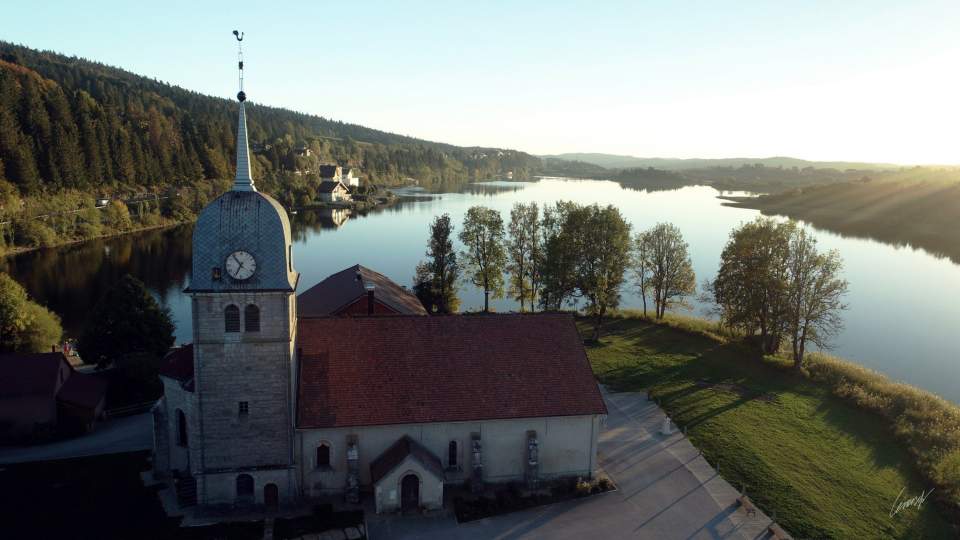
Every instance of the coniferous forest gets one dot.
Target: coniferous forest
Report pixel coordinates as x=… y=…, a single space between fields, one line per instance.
x=73 y=131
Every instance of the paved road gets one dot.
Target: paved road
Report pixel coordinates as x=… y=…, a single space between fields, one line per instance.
x=665 y=491
x=129 y=434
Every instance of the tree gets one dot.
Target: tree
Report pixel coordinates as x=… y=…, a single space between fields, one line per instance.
x=127 y=326
x=25 y=326
x=641 y=268
x=423 y=287
x=523 y=251
x=603 y=242
x=443 y=264
x=484 y=257
x=750 y=287
x=557 y=265
x=587 y=255
x=668 y=261
x=814 y=295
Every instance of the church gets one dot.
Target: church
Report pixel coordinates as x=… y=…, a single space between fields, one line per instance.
x=358 y=395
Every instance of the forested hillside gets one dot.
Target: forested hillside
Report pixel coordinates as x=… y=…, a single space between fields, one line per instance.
x=72 y=130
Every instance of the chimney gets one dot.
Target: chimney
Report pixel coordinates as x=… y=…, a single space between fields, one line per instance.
x=369 y=287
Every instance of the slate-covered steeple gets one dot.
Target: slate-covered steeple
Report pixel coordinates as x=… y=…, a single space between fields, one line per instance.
x=243 y=181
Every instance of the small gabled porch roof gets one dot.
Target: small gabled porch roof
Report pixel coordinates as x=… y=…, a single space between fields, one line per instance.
x=404 y=448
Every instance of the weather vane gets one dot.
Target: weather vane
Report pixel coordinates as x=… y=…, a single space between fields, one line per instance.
x=239 y=35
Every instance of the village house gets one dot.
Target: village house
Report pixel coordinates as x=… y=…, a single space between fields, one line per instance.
x=355 y=291
x=350 y=390
x=333 y=192
x=41 y=395
x=349 y=176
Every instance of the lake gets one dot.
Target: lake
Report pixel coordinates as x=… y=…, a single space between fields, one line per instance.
x=903 y=317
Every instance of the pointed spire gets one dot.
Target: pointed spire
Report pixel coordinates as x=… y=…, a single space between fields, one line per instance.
x=242 y=181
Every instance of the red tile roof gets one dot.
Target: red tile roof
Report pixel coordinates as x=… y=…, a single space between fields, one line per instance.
x=178 y=365
x=28 y=374
x=398 y=451
x=340 y=290
x=36 y=374
x=83 y=390
x=395 y=370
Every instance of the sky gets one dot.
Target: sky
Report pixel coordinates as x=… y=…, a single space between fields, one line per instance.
x=850 y=80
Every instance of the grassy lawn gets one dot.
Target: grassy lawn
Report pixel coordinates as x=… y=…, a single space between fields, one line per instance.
x=827 y=469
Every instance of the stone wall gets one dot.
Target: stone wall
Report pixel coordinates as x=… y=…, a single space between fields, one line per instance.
x=250 y=367
x=567 y=447
x=176 y=398
x=221 y=489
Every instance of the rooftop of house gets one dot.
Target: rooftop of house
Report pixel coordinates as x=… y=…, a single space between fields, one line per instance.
x=347 y=286
x=329 y=187
x=178 y=365
x=407 y=369
x=25 y=375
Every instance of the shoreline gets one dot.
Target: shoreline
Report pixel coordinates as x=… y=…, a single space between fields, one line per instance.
x=359 y=206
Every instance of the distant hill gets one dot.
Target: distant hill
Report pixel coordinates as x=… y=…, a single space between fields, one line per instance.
x=613 y=161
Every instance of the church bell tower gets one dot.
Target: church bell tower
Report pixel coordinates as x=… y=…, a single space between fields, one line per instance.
x=243 y=288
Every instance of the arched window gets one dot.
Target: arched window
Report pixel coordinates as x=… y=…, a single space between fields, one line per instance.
x=231 y=319
x=452 y=454
x=323 y=455
x=245 y=488
x=181 y=428
x=251 y=318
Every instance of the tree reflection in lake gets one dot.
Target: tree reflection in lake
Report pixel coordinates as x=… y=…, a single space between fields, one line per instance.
x=70 y=279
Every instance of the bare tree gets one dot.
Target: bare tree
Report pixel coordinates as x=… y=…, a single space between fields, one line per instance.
x=671 y=272
x=814 y=295
x=641 y=268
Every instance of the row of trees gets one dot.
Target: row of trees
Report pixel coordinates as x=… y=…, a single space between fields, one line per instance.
x=553 y=258
x=773 y=283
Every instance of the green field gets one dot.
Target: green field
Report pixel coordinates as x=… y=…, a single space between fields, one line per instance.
x=826 y=468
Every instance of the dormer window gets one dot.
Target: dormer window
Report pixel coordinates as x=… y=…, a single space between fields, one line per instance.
x=231 y=319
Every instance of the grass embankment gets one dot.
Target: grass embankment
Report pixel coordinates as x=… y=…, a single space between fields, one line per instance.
x=826 y=467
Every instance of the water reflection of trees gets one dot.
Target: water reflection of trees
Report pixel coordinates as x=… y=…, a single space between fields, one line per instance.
x=69 y=280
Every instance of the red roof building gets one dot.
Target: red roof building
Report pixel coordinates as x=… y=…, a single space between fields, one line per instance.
x=357 y=290
x=41 y=394
x=403 y=370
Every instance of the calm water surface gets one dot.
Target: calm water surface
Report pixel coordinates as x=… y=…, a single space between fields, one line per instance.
x=903 y=317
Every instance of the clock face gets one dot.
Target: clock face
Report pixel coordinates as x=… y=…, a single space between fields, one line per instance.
x=241 y=265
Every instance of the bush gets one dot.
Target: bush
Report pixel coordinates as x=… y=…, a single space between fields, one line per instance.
x=604 y=483
x=582 y=488
x=33 y=233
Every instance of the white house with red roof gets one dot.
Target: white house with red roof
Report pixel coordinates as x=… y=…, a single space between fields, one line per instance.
x=351 y=390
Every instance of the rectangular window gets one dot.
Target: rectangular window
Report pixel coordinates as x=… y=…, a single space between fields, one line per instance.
x=244 y=408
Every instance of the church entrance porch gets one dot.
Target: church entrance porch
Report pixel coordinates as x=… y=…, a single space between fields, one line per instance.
x=410 y=493
x=407 y=477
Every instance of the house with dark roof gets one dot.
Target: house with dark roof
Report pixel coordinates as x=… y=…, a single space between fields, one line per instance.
x=41 y=395
x=350 y=388
x=357 y=291
x=333 y=191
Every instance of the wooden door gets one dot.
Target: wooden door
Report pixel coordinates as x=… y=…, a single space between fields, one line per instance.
x=410 y=493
